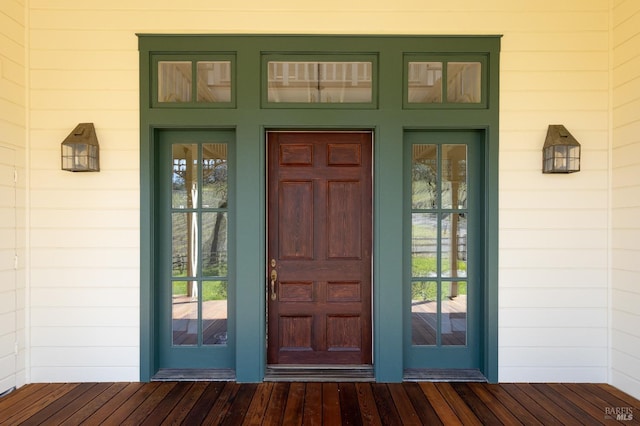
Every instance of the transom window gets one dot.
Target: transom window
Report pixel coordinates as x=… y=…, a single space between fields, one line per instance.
x=194 y=82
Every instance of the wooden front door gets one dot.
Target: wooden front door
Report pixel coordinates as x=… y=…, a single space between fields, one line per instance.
x=319 y=247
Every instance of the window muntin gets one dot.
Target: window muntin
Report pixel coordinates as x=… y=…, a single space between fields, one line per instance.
x=438 y=244
x=210 y=78
x=442 y=82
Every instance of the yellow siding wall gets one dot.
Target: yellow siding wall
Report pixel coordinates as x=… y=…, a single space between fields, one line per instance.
x=553 y=235
x=12 y=194
x=625 y=337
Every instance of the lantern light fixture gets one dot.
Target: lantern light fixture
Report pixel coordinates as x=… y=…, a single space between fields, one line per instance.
x=80 y=150
x=561 y=151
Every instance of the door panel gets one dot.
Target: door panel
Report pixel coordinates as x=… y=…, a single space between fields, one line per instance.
x=319 y=268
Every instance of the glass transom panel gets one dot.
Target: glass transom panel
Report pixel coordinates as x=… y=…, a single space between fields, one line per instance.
x=319 y=82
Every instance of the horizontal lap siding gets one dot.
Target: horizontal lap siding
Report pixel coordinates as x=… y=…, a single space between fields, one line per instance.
x=554 y=71
x=13 y=102
x=553 y=228
x=625 y=239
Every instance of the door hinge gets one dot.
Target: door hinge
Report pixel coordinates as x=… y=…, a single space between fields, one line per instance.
x=15 y=262
x=15 y=175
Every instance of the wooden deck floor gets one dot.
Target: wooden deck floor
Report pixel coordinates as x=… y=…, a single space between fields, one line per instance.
x=229 y=403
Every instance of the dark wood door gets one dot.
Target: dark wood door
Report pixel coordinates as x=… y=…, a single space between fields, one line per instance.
x=319 y=247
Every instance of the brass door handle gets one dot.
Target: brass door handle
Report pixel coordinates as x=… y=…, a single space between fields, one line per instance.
x=274 y=277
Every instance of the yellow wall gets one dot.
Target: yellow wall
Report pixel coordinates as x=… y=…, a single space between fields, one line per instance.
x=625 y=336
x=12 y=195
x=554 y=279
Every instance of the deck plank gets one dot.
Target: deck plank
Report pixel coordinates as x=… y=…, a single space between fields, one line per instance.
x=185 y=404
x=219 y=410
x=239 y=405
x=316 y=403
x=331 y=414
x=203 y=404
x=293 y=408
x=63 y=408
x=163 y=407
x=90 y=407
x=312 y=410
x=463 y=411
x=532 y=405
x=15 y=402
x=388 y=413
x=368 y=408
x=275 y=409
x=40 y=405
x=349 y=407
x=421 y=404
x=403 y=405
x=258 y=405
x=439 y=404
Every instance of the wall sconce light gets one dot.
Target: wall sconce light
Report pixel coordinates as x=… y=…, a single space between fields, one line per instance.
x=561 y=151
x=80 y=150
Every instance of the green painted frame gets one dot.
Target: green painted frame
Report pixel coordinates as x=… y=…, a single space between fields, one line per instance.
x=250 y=122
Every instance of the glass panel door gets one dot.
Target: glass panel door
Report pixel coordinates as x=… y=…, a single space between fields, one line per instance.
x=194 y=295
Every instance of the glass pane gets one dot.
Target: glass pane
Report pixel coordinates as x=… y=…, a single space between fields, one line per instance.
x=464 y=82
x=453 y=245
x=174 y=81
x=319 y=82
x=214 y=81
x=214 y=244
x=454 y=176
x=424 y=82
x=214 y=312
x=214 y=175
x=424 y=244
x=184 y=313
x=179 y=244
x=424 y=309
x=424 y=177
x=453 y=326
x=185 y=176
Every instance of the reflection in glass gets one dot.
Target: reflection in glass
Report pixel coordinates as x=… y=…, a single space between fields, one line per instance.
x=214 y=244
x=424 y=310
x=214 y=312
x=425 y=82
x=174 y=81
x=464 y=82
x=453 y=245
x=185 y=176
x=184 y=315
x=454 y=176
x=424 y=244
x=453 y=327
x=214 y=175
x=319 y=82
x=214 y=81
x=424 y=177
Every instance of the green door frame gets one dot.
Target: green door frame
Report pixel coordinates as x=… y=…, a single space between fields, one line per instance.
x=388 y=116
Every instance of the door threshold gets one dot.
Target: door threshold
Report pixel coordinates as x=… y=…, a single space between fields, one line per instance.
x=194 y=375
x=443 y=375
x=318 y=373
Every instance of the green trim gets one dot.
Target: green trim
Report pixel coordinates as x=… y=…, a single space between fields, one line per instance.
x=250 y=121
